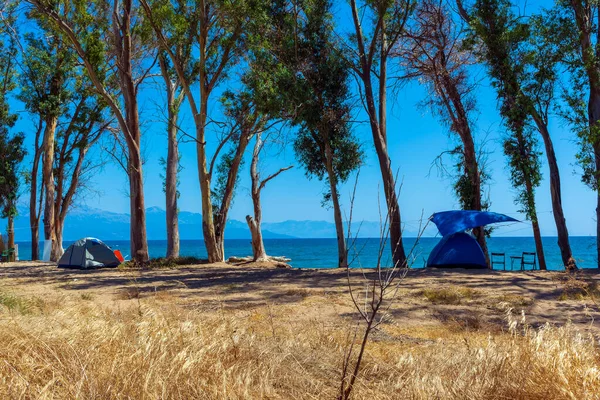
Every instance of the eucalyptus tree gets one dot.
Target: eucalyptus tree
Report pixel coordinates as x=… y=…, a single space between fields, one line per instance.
x=572 y=27
x=175 y=97
x=48 y=66
x=325 y=144
x=219 y=31
x=72 y=117
x=378 y=26
x=50 y=85
x=523 y=65
x=245 y=120
x=490 y=21
x=307 y=83
x=434 y=52
x=79 y=130
x=106 y=39
x=12 y=150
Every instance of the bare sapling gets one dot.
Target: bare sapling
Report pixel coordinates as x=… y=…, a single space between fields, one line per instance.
x=372 y=297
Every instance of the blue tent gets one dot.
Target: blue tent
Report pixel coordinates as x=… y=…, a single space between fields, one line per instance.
x=457 y=250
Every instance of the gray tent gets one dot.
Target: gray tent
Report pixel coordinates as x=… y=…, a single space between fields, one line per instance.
x=88 y=253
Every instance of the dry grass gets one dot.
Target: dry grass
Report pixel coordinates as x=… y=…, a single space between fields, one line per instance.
x=151 y=349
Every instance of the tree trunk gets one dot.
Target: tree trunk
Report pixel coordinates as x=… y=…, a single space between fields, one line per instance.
x=232 y=175
x=124 y=44
x=472 y=170
x=594 y=121
x=208 y=227
x=556 y=195
x=59 y=228
x=460 y=120
x=385 y=164
x=139 y=242
x=59 y=221
x=138 y=238
x=34 y=217
x=171 y=182
x=48 y=177
x=11 y=231
x=383 y=84
x=584 y=14
x=538 y=244
x=59 y=176
x=258 y=245
x=389 y=187
x=337 y=213
x=380 y=142
x=539 y=248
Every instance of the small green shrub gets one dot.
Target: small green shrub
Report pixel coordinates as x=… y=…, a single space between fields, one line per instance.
x=87 y=296
x=19 y=304
x=579 y=288
x=449 y=295
x=162 y=263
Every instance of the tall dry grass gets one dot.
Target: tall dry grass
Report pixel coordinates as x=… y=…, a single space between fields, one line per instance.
x=153 y=350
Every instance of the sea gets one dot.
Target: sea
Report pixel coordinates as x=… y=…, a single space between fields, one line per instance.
x=364 y=252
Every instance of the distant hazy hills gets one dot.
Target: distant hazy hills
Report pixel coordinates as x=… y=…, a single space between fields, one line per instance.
x=107 y=225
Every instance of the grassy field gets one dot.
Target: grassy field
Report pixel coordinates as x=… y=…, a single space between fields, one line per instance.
x=231 y=332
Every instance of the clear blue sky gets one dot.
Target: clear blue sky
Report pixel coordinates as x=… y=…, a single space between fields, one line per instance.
x=416 y=137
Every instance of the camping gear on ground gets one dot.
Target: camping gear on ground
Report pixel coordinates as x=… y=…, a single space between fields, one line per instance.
x=499 y=258
x=458 y=249
x=8 y=255
x=119 y=255
x=47 y=250
x=88 y=253
x=527 y=258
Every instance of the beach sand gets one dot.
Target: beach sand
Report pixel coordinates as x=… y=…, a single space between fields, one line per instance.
x=476 y=299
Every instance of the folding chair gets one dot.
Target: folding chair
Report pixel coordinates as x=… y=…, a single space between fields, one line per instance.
x=528 y=258
x=499 y=258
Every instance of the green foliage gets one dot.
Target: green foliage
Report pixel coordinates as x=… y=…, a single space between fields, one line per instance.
x=230 y=28
x=435 y=54
x=523 y=75
x=463 y=186
x=163 y=263
x=219 y=186
x=54 y=84
x=19 y=304
x=307 y=85
x=47 y=66
x=163 y=163
x=524 y=162
x=561 y=30
x=12 y=150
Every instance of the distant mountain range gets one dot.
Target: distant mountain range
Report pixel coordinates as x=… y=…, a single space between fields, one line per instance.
x=82 y=222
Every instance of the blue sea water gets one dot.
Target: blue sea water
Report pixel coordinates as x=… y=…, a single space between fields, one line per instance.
x=322 y=253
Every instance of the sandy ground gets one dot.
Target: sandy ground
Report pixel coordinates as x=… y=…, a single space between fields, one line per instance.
x=320 y=295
